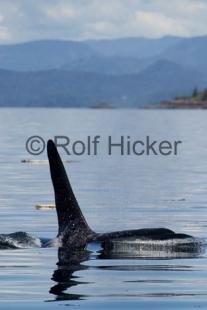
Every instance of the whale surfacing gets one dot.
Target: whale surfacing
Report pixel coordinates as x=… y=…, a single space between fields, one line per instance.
x=74 y=231
x=19 y=240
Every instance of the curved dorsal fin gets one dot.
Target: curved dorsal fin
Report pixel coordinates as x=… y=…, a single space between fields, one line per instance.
x=68 y=211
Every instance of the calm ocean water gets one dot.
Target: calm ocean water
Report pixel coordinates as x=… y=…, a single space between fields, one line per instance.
x=115 y=192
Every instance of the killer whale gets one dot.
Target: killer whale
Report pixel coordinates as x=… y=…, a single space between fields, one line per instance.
x=74 y=232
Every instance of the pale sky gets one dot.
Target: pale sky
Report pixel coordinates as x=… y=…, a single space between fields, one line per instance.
x=26 y=20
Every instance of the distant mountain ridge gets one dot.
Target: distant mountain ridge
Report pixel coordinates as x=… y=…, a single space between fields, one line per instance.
x=126 y=72
x=64 y=88
x=42 y=55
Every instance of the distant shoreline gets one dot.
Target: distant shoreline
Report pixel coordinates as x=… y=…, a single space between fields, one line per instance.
x=188 y=103
x=177 y=104
x=160 y=106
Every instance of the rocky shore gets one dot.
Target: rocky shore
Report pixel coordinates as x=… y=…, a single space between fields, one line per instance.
x=179 y=104
x=196 y=101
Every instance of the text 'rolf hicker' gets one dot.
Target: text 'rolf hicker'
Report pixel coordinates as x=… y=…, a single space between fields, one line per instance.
x=110 y=145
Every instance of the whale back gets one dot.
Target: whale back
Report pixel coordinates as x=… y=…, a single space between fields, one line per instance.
x=73 y=228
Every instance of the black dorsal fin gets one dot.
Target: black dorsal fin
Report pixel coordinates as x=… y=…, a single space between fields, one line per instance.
x=69 y=213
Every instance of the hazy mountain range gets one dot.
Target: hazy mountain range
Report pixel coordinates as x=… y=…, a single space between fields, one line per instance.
x=122 y=72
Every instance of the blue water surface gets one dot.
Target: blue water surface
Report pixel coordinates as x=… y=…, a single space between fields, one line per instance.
x=115 y=192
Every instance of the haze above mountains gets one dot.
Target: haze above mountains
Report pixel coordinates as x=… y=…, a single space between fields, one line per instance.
x=127 y=72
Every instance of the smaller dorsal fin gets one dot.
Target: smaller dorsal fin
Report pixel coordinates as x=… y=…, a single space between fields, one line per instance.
x=68 y=211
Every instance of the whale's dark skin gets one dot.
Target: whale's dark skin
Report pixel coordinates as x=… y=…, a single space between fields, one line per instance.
x=74 y=231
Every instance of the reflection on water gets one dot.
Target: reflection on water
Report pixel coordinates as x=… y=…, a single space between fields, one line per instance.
x=143 y=282
x=115 y=193
x=68 y=264
x=135 y=248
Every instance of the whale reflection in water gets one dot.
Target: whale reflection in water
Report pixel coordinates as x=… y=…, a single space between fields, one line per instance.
x=67 y=276
x=64 y=276
x=139 y=248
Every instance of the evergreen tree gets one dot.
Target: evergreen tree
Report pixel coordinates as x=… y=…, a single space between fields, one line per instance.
x=195 y=92
x=204 y=95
